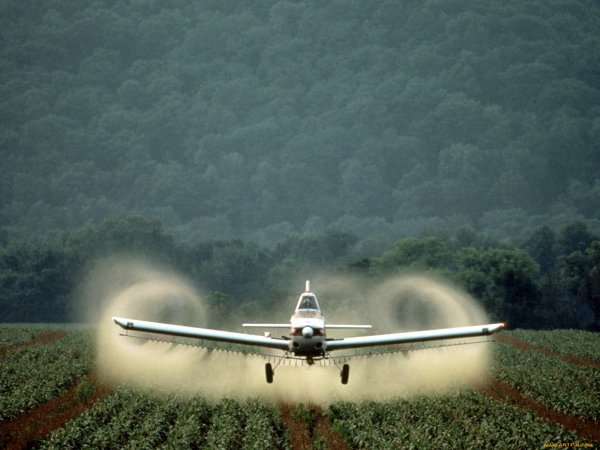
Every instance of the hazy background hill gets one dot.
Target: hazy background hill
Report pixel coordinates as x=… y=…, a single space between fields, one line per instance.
x=224 y=119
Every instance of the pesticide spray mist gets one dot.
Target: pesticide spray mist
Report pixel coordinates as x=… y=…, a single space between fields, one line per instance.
x=128 y=288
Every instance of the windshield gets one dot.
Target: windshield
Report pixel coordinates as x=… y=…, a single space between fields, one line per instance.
x=308 y=302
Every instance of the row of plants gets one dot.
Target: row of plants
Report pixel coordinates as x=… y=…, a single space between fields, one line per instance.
x=573 y=342
x=14 y=335
x=133 y=419
x=557 y=384
x=37 y=373
x=463 y=419
x=130 y=418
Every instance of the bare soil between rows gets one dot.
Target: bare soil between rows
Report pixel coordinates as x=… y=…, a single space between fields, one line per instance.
x=46 y=337
x=524 y=345
x=501 y=391
x=31 y=427
x=314 y=426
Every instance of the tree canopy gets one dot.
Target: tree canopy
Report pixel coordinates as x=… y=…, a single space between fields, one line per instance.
x=546 y=288
x=231 y=119
x=243 y=142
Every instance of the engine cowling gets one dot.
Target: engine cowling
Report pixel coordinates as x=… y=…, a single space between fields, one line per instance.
x=308 y=332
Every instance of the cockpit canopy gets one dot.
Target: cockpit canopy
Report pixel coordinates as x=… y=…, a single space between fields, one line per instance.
x=308 y=302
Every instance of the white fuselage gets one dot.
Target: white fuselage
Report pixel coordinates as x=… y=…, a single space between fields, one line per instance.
x=307 y=336
x=307 y=328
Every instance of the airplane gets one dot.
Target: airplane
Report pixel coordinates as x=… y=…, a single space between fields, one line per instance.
x=307 y=338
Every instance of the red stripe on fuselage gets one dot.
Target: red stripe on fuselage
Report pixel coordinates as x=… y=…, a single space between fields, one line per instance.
x=298 y=331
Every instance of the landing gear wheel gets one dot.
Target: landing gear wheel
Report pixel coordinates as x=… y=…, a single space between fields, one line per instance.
x=269 y=372
x=345 y=373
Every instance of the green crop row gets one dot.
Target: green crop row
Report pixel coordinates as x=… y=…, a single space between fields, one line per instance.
x=35 y=374
x=558 y=384
x=465 y=419
x=129 y=418
x=141 y=420
x=11 y=335
x=574 y=342
x=461 y=420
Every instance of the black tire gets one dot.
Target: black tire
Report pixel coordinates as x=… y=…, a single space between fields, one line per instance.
x=269 y=372
x=345 y=373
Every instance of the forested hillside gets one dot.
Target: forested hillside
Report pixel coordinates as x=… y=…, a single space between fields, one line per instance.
x=255 y=119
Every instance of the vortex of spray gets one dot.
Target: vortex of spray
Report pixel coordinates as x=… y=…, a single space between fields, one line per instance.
x=128 y=288
x=416 y=302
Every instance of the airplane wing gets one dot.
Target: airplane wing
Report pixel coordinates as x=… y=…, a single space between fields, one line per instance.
x=201 y=333
x=414 y=336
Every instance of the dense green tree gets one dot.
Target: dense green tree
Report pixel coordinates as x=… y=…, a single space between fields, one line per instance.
x=415 y=254
x=38 y=278
x=326 y=249
x=467 y=237
x=135 y=236
x=541 y=246
x=238 y=269
x=503 y=280
x=36 y=282
x=574 y=237
x=409 y=112
x=580 y=272
x=464 y=178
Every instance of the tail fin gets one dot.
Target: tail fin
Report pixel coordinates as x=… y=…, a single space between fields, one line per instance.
x=307 y=286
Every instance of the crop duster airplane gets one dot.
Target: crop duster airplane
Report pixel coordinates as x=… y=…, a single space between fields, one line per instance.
x=308 y=339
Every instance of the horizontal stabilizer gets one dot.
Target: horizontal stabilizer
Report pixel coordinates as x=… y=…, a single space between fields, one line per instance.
x=349 y=327
x=266 y=325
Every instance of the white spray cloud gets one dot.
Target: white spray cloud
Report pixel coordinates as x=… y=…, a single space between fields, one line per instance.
x=134 y=289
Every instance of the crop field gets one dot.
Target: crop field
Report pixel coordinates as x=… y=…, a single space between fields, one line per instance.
x=543 y=391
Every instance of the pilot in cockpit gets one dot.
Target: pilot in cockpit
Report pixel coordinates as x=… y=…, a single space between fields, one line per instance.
x=308 y=302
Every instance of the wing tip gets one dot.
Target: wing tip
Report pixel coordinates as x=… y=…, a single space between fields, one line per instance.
x=123 y=323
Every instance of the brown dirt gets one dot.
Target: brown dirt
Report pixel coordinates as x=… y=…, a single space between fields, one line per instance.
x=499 y=390
x=46 y=337
x=297 y=428
x=24 y=431
x=524 y=345
x=302 y=437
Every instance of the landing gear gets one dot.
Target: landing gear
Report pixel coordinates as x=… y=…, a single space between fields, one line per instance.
x=345 y=373
x=269 y=372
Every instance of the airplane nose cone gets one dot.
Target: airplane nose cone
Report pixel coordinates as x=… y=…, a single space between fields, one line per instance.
x=307 y=332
